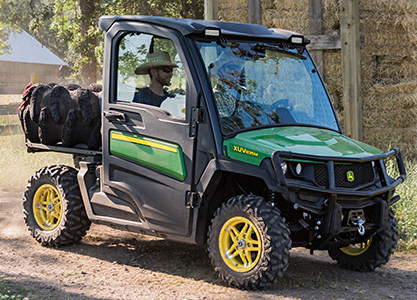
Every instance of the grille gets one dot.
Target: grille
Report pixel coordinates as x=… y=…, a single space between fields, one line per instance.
x=362 y=174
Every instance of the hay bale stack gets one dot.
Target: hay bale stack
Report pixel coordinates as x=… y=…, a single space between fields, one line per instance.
x=388 y=71
x=331 y=16
x=389 y=74
x=286 y=14
x=233 y=11
x=332 y=59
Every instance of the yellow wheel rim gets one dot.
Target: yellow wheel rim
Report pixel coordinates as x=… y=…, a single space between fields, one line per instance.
x=240 y=244
x=357 y=249
x=47 y=207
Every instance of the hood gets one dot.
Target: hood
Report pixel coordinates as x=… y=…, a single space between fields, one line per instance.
x=253 y=146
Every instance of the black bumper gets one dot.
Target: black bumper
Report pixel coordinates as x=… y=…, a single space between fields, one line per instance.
x=386 y=182
x=329 y=203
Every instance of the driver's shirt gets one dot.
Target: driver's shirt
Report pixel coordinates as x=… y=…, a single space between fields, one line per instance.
x=146 y=96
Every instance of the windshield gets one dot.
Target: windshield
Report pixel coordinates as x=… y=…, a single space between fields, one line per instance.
x=265 y=84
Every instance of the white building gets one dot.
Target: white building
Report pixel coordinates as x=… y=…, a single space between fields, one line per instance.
x=28 y=59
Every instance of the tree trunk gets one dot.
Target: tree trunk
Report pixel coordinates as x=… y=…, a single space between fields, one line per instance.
x=88 y=10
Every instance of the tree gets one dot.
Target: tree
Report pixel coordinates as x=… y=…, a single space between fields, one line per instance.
x=34 y=17
x=76 y=21
x=76 y=24
x=4 y=35
x=69 y=28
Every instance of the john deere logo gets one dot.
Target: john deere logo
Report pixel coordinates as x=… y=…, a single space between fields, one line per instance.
x=350 y=176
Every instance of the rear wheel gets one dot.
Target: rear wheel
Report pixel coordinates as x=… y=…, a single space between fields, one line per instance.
x=53 y=209
x=249 y=243
x=372 y=253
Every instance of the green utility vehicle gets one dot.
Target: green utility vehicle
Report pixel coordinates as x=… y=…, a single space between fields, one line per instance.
x=246 y=155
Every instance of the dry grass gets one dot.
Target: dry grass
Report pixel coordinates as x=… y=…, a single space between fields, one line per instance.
x=17 y=166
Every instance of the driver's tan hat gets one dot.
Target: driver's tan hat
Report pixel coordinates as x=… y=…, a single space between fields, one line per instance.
x=154 y=60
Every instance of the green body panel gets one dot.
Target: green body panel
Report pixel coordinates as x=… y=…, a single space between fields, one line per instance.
x=162 y=156
x=253 y=146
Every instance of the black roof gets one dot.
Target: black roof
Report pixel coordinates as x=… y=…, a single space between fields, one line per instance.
x=189 y=26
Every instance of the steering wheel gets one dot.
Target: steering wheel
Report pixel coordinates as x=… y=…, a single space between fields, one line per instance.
x=228 y=99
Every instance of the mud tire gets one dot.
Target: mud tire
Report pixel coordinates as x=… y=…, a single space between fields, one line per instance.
x=372 y=255
x=273 y=239
x=53 y=208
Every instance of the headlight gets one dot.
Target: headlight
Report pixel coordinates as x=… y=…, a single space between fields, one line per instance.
x=298 y=169
x=284 y=167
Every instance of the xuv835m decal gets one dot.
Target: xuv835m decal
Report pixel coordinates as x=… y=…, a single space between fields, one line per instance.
x=160 y=155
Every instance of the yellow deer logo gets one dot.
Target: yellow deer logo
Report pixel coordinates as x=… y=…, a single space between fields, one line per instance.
x=350 y=176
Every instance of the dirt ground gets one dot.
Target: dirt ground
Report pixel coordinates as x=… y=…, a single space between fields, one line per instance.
x=110 y=264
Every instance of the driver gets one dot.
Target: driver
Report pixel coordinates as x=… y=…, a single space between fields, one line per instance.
x=159 y=67
x=227 y=76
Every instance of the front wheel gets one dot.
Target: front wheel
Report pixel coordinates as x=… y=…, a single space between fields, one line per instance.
x=249 y=243
x=53 y=208
x=369 y=254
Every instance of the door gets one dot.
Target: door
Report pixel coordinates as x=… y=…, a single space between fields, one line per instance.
x=148 y=145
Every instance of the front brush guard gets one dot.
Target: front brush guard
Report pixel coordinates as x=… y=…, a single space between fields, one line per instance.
x=333 y=210
x=386 y=185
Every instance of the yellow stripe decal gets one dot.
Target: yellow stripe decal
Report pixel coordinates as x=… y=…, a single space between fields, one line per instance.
x=140 y=141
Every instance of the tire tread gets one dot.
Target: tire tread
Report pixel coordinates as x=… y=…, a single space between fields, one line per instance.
x=74 y=223
x=274 y=233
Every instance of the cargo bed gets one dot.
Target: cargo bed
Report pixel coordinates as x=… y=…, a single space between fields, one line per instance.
x=36 y=147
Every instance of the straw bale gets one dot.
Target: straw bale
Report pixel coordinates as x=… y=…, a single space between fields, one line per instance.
x=334 y=85
x=386 y=138
x=294 y=21
x=234 y=15
x=291 y=5
x=232 y=4
x=409 y=22
x=267 y=4
x=378 y=20
x=393 y=38
x=409 y=150
x=382 y=136
x=391 y=118
x=399 y=70
x=332 y=63
x=268 y=16
x=368 y=68
x=381 y=50
x=390 y=102
x=394 y=89
x=388 y=6
x=331 y=16
x=385 y=69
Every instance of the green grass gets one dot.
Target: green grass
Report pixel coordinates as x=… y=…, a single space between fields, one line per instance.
x=406 y=209
x=13 y=291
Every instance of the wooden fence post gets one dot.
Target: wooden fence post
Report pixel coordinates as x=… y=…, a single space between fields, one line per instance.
x=254 y=12
x=349 y=28
x=211 y=10
x=316 y=28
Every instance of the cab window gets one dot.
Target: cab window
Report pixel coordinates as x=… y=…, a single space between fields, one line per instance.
x=137 y=53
